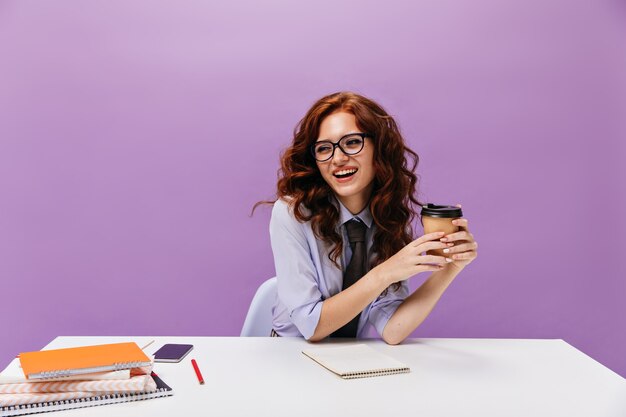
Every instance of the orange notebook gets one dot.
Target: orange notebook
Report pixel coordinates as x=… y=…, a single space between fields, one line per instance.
x=82 y=360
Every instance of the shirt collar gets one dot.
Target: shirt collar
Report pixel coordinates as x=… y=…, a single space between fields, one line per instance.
x=344 y=214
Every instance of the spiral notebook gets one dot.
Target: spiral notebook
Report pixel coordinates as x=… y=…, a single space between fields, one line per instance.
x=57 y=363
x=13 y=374
x=70 y=400
x=356 y=361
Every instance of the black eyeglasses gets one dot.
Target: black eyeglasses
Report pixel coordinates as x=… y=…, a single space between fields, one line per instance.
x=350 y=144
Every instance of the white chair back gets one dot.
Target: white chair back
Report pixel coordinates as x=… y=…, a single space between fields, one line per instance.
x=259 y=318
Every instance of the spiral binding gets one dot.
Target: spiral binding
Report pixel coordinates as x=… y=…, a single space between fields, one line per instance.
x=378 y=372
x=17 y=410
x=61 y=373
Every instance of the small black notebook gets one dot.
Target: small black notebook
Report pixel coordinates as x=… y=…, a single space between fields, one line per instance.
x=162 y=390
x=172 y=352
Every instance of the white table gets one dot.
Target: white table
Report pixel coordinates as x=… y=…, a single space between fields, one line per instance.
x=449 y=377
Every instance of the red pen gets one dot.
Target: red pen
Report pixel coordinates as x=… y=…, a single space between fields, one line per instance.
x=198 y=374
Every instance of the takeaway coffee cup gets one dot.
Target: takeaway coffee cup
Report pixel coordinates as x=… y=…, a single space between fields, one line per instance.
x=437 y=218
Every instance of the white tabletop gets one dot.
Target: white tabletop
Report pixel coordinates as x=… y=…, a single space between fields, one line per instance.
x=449 y=377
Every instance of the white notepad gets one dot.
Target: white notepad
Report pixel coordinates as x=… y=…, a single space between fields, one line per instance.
x=356 y=361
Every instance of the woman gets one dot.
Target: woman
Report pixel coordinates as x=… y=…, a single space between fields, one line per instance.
x=341 y=229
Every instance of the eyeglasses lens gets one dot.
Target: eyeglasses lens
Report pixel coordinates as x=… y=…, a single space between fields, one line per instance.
x=350 y=145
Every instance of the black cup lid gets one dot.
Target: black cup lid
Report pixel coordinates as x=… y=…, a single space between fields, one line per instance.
x=446 y=212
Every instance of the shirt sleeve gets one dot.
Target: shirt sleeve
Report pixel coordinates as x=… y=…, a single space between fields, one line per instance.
x=385 y=305
x=298 y=288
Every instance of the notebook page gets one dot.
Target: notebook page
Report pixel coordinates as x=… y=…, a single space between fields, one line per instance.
x=355 y=361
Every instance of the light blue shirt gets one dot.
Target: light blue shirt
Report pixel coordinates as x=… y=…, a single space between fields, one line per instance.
x=306 y=276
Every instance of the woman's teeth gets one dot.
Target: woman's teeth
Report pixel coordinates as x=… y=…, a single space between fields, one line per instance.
x=344 y=173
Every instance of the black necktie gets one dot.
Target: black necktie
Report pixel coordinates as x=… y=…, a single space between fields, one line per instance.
x=355 y=270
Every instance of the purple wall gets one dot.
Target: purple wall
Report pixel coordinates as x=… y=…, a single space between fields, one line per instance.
x=135 y=137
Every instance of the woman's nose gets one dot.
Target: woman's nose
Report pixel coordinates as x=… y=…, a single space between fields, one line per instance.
x=339 y=157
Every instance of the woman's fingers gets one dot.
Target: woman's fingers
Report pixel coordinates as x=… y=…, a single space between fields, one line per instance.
x=462 y=235
x=463 y=247
x=428 y=237
x=458 y=246
x=464 y=256
x=430 y=246
x=433 y=259
x=462 y=223
x=425 y=267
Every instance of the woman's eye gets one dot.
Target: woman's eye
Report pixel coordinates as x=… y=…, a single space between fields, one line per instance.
x=322 y=149
x=354 y=141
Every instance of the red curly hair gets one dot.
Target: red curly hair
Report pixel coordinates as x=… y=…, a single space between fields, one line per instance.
x=392 y=203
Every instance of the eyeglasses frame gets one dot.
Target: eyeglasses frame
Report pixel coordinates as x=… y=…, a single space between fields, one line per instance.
x=337 y=145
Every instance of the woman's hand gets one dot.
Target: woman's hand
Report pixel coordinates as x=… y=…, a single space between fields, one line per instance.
x=409 y=260
x=464 y=250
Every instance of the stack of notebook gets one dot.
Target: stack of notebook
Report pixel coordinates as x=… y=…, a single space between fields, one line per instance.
x=86 y=376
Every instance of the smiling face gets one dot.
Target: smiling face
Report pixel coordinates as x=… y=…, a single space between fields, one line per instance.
x=349 y=176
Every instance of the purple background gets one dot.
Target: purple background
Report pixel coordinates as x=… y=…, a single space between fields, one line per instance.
x=136 y=135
